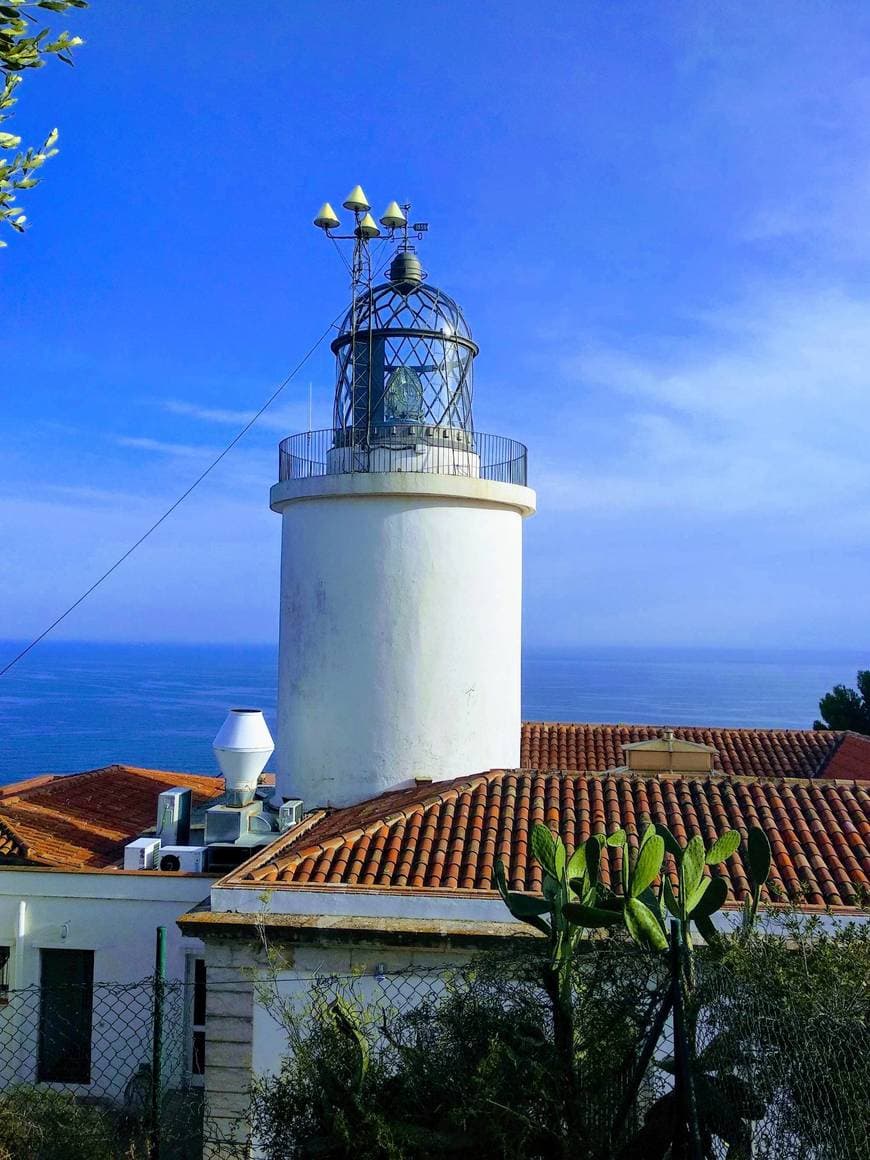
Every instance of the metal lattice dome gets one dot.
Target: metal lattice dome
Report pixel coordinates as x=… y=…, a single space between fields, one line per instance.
x=404 y=357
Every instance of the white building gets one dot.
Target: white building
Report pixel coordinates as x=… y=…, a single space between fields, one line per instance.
x=78 y=932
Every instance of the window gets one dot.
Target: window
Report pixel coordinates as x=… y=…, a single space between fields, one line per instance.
x=66 y=1001
x=197 y=1020
x=5 y=955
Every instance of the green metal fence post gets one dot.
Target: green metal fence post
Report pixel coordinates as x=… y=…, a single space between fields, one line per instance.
x=157 y=1041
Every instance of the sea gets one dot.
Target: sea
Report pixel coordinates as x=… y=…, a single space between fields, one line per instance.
x=71 y=706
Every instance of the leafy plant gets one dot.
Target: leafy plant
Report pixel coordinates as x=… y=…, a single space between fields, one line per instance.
x=22 y=48
x=574 y=897
x=464 y=1064
x=812 y=979
x=574 y=900
x=463 y=1067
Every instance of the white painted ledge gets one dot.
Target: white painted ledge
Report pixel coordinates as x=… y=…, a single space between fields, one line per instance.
x=404 y=485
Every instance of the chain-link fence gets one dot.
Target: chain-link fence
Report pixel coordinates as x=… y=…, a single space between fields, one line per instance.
x=77 y=1072
x=724 y=1061
x=773 y=1080
x=668 y=1061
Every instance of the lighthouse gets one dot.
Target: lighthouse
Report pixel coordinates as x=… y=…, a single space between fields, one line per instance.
x=401 y=557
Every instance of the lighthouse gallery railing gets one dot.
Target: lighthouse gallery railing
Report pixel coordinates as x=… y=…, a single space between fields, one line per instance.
x=326 y=452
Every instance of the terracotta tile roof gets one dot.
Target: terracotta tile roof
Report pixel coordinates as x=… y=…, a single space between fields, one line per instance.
x=741 y=752
x=851 y=758
x=85 y=819
x=448 y=836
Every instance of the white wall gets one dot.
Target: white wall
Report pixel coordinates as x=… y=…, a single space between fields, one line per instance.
x=115 y=915
x=400 y=632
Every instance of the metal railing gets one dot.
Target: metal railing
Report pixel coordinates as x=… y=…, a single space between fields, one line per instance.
x=403 y=448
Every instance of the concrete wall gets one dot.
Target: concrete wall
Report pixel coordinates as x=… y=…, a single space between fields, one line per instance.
x=400 y=632
x=368 y=972
x=449 y=905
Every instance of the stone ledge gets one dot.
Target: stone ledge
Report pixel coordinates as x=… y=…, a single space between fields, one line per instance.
x=439 y=934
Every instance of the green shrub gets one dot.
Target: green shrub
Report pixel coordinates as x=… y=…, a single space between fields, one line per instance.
x=810 y=981
x=40 y=1124
x=470 y=1072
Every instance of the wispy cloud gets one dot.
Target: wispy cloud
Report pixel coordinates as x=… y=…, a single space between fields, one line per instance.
x=284 y=419
x=764 y=414
x=161 y=447
x=210 y=572
x=794 y=120
x=208 y=414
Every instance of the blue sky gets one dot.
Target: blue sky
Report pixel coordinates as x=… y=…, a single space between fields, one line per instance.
x=657 y=220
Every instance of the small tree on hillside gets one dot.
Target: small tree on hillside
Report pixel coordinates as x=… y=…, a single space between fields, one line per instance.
x=845 y=708
x=25 y=46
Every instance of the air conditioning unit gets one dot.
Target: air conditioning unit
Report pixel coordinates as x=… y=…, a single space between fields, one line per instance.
x=141 y=854
x=187 y=859
x=173 y=817
x=290 y=814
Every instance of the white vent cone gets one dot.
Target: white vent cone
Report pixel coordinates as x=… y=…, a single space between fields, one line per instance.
x=242 y=748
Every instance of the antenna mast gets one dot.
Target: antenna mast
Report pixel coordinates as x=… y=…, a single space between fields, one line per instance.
x=395 y=222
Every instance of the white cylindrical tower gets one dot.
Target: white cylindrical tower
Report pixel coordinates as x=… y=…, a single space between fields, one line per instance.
x=401 y=565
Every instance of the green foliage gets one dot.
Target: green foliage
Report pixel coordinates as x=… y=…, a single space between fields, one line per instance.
x=542 y=1055
x=712 y=899
x=725 y=1104
x=812 y=1045
x=723 y=848
x=575 y=901
x=468 y=1067
x=845 y=708
x=644 y=926
x=648 y=866
x=24 y=47
x=39 y=1124
x=574 y=897
x=471 y=1073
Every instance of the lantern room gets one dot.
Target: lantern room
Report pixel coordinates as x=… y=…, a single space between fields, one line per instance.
x=404 y=357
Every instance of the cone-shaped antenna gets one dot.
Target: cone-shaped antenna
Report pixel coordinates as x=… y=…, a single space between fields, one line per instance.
x=393 y=218
x=356 y=200
x=326 y=219
x=368 y=227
